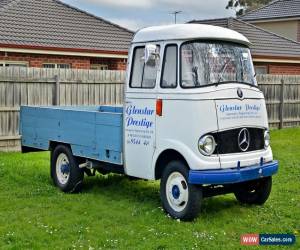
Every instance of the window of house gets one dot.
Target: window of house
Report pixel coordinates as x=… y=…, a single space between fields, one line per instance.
x=56 y=66
x=260 y=70
x=142 y=75
x=13 y=64
x=49 y=66
x=99 y=66
x=169 y=73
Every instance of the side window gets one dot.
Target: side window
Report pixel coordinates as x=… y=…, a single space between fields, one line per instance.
x=142 y=75
x=169 y=72
x=137 y=68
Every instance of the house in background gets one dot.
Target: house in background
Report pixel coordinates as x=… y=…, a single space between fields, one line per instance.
x=272 y=53
x=52 y=34
x=280 y=16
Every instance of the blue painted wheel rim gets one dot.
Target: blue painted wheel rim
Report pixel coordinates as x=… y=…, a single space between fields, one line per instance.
x=175 y=192
x=65 y=168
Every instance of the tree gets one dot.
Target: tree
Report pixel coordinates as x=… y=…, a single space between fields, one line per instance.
x=243 y=6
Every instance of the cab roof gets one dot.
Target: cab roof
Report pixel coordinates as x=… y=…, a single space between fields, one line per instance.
x=188 y=32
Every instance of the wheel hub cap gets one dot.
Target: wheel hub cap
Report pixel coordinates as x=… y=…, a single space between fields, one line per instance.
x=175 y=192
x=65 y=169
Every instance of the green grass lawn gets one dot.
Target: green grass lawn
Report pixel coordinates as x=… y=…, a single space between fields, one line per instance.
x=116 y=213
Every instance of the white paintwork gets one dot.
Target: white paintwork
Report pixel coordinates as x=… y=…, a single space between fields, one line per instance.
x=139 y=140
x=187 y=32
x=188 y=114
x=62 y=177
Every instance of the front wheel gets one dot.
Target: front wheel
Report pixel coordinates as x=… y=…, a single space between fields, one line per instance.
x=254 y=192
x=180 y=199
x=65 y=171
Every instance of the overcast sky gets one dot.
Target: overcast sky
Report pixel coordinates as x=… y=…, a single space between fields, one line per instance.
x=135 y=14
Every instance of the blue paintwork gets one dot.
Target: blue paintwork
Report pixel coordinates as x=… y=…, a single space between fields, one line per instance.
x=65 y=168
x=227 y=176
x=93 y=132
x=175 y=192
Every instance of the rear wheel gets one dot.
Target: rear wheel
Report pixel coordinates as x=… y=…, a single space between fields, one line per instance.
x=254 y=192
x=65 y=171
x=180 y=199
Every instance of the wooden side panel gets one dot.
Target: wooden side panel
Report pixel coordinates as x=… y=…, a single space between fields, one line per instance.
x=90 y=132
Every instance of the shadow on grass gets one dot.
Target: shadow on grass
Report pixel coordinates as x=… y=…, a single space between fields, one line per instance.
x=121 y=187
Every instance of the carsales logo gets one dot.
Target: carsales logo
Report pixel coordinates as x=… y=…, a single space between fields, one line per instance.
x=250 y=239
x=267 y=239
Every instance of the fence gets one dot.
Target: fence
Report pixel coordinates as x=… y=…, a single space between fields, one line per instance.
x=35 y=86
x=282 y=94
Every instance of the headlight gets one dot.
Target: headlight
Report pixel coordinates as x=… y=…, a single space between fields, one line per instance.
x=207 y=145
x=267 y=139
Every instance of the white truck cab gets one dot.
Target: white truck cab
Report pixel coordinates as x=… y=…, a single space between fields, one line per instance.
x=193 y=117
x=192 y=102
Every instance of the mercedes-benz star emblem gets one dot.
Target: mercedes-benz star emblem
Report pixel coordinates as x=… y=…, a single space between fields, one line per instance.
x=240 y=93
x=244 y=140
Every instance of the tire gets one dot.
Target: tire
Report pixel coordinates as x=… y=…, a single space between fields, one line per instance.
x=65 y=171
x=180 y=199
x=254 y=192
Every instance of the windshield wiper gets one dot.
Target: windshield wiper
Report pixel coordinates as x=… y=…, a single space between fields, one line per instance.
x=195 y=76
x=223 y=70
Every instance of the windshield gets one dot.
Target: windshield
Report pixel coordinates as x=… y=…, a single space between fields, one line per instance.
x=205 y=63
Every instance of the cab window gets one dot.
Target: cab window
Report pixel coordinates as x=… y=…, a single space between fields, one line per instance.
x=142 y=75
x=213 y=63
x=169 y=73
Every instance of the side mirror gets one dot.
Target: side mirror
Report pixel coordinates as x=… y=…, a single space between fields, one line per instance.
x=151 y=54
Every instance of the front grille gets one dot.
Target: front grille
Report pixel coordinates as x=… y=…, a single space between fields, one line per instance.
x=227 y=141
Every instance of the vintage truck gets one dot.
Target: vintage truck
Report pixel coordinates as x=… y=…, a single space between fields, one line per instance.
x=193 y=117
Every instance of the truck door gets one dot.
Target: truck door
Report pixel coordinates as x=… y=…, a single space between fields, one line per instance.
x=140 y=111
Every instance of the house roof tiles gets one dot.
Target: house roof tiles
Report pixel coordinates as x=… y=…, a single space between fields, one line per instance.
x=277 y=9
x=55 y=24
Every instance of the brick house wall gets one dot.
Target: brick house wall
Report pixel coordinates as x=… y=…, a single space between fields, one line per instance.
x=284 y=69
x=76 y=62
x=280 y=68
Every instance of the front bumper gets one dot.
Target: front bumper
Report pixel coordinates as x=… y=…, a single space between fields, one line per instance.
x=229 y=176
